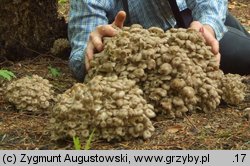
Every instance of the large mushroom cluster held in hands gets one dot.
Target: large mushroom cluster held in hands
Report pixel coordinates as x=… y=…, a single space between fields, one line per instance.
x=175 y=69
x=30 y=93
x=113 y=107
x=175 y=72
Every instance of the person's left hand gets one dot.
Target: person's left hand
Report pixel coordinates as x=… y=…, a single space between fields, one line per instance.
x=209 y=35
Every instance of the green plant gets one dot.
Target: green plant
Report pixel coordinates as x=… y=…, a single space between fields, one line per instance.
x=54 y=71
x=6 y=74
x=77 y=143
x=88 y=143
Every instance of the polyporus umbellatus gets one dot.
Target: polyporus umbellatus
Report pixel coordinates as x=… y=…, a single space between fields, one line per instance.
x=233 y=89
x=114 y=107
x=30 y=93
x=140 y=73
x=175 y=69
x=61 y=46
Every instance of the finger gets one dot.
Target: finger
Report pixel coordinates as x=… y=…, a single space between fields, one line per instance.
x=215 y=46
x=105 y=31
x=96 y=41
x=86 y=61
x=90 y=51
x=195 y=25
x=218 y=58
x=120 y=19
x=210 y=40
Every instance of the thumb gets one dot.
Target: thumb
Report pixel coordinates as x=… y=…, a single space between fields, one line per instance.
x=211 y=40
x=195 y=25
x=120 y=19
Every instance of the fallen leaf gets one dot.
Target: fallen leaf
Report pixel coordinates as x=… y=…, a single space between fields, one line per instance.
x=175 y=129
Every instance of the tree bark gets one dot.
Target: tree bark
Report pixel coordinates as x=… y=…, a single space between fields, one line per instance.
x=28 y=27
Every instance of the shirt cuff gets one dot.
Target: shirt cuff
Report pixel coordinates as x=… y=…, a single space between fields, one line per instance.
x=77 y=66
x=218 y=26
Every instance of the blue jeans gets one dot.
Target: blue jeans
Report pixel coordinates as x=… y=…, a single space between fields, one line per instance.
x=235 y=48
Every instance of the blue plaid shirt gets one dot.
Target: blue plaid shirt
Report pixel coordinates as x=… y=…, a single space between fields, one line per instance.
x=85 y=15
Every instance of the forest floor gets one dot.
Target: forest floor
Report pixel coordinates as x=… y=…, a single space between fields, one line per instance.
x=226 y=128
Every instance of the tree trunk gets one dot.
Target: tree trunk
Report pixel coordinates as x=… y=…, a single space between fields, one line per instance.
x=29 y=26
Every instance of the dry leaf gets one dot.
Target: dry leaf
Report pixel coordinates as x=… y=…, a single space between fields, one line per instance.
x=175 y=129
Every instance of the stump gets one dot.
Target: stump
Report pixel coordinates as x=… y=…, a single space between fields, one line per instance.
x=28 y=27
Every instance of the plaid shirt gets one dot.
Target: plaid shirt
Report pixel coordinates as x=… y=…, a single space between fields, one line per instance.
x=85 y=15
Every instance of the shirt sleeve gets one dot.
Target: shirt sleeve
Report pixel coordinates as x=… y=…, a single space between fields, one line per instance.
x=211 y=12
x=85 y=16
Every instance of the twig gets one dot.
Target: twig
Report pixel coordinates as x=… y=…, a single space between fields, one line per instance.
x=5 y=60
x=55 y=59
x=191 y=122
x=32 y=50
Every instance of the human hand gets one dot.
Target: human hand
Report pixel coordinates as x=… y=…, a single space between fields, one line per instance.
x=95 y=43
x=208 y=33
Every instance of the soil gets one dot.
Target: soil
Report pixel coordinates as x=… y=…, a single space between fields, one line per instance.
x=226 y=128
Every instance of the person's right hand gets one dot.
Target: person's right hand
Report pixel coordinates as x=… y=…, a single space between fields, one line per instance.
x=95 y=43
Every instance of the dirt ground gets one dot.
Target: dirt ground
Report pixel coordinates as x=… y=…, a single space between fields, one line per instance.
x=226 y=128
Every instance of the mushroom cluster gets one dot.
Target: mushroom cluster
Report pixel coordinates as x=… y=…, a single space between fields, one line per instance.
x=113 y=106
x=61 y=47
x=175 y=69
x=30 y=93
x=233 y=89
x=142 y=72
